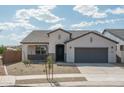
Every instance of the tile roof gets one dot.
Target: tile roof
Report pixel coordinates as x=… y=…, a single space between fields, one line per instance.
x=41 y=36
x=38 y=36
x=119 y=33
x=94 y=32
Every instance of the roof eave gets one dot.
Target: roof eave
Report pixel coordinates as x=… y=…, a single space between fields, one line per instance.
x=113 y=34
x=57 y=30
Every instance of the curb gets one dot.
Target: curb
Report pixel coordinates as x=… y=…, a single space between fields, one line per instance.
x=5 y=69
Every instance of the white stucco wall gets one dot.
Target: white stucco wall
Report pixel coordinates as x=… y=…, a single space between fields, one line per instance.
x=121 y=42
x=98 y=42
x=31 y=49
x=24 y=52
x=54 y=40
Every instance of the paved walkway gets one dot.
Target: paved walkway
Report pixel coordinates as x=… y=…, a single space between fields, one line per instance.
x=89 y=77
x=93 y=80
x=79 y=84
x=10 y=80
x=44 y=76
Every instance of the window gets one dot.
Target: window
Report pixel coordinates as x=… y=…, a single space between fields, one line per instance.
x=40 y=49
x=121 y=47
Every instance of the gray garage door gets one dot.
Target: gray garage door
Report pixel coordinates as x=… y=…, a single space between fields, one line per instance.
x=91 y=55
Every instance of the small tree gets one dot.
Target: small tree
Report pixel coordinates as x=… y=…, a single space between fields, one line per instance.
x=46 y=70
x=49 y=67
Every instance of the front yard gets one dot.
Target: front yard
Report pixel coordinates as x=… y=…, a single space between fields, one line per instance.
x=38 y=69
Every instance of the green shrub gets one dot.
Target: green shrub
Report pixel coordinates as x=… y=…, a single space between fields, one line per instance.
x=2 y=49
x=26 y=62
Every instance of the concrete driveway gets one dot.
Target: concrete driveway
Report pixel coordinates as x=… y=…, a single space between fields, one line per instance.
x=102 y=72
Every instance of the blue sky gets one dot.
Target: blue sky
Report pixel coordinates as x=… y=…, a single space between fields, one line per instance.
x=18 y=21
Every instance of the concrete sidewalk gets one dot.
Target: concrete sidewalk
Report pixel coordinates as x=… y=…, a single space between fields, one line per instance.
x=10 y=80
x=78 y=84
x=7 y=80
x=44 y=76
x=92 y=80
x=89 y=77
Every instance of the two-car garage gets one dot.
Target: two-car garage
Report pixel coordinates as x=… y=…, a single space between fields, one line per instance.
x=91 y=48
x=91 y=55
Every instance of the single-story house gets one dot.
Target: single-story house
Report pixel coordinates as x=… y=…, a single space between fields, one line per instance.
x=117 y=35
x=69 y=46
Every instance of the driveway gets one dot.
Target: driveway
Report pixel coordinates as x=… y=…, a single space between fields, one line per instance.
x=102 y=72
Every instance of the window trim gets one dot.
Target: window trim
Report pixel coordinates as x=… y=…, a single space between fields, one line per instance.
x=121 y=47
x=40 y=48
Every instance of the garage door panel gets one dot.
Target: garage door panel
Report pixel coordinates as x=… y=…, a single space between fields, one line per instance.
x=80 y=54
x=91 y=55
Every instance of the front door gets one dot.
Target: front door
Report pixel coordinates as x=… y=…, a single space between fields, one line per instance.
x=60 y=53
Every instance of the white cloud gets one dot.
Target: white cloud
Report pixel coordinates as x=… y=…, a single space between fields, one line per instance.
x=15 y=24
x=17 y=37
x=23 y=16
x=90 y=11
x=56 y=26
x=118 y=10
x=86 y=24
x=6 y=26
x=41 y=13
x=82 y=24
x=22 y=20
x=2 y=36
x=14 y=37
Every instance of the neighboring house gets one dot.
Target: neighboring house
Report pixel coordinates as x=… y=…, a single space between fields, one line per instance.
x=69 y=46
x=117 y=35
